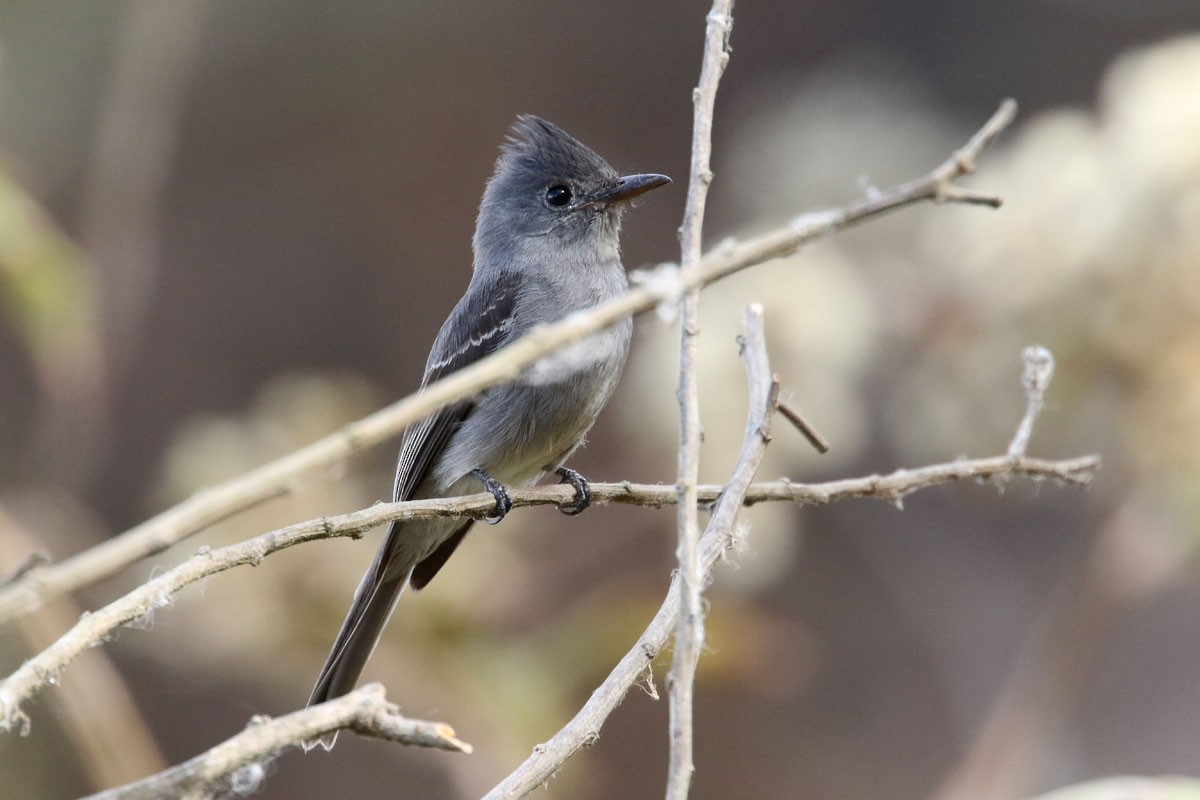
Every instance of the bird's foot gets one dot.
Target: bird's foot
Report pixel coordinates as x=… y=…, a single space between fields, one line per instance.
x=503 y=501
x=583 y=491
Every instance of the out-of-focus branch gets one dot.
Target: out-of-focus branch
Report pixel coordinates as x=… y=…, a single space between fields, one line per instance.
x=241 y=760
x=137 y=135
x=720 y=536
x=277 y=477
x=689 y=637
x=111 y=740
x=1128 y=559
x=92 y=628
x=1039 y=369
x=137 y=132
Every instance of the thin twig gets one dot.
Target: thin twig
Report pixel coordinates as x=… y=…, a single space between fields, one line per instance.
x=1039 y=369
x=806 y=428
x=277 y=477
x=689 y=637
x=719 y=537
x=242 y=760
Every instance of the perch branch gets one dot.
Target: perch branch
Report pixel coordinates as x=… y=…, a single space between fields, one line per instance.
x=92 y=628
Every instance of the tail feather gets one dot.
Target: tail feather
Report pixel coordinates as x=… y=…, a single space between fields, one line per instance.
x=424 y=571
x=374 y=601
x=405 y=546
x=373 y=604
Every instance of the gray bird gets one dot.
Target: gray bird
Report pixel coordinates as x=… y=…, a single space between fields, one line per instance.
x=546 y=244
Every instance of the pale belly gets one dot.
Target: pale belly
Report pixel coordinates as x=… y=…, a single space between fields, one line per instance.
x=522 y=429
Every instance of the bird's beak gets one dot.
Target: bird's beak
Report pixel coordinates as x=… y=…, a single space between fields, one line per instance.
x=626 y=188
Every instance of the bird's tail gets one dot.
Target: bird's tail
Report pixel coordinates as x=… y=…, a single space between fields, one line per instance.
x=374 y=601
x=373 y=604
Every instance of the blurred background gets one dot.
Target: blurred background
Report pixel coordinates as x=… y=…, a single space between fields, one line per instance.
x=228 y=228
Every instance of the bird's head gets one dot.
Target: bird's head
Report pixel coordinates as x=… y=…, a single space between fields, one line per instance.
x=549 y=188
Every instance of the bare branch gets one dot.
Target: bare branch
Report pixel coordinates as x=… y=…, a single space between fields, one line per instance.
x=277 y=477
x=689 y=638
x=243 y=757
x=718 y=538
x=94 y=627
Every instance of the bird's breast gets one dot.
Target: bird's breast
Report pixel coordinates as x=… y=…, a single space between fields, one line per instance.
x=595 y=353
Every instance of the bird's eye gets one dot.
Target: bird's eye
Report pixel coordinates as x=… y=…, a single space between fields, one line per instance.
x=558 y=195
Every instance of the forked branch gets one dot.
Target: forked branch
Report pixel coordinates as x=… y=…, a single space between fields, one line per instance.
x=47 y=581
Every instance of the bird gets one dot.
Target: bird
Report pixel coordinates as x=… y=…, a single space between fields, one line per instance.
x=546 y=244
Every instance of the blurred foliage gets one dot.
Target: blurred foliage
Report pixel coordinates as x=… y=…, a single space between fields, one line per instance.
x=1095 y=253
x=47 y=291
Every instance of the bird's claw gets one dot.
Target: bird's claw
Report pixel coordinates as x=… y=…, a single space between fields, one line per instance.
x=583 y=491
x=503 y=501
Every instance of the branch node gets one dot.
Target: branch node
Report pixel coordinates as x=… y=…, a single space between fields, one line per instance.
x=11 y=715
x=248 y=779
x=964 y=160
x=868 y=188
x=328 y=529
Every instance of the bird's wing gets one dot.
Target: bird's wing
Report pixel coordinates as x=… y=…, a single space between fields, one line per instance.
x=480 y=324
